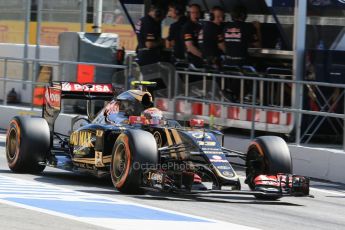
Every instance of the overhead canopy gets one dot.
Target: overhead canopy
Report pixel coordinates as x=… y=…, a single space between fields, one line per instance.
x=253 y=6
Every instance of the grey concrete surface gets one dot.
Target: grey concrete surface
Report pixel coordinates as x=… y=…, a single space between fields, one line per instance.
x=325 y=211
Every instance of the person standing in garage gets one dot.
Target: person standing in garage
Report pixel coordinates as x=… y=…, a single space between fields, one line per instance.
x=239 y=36
x=149 y=35
x=190 y=33
x=174 y=41
x=211 y=36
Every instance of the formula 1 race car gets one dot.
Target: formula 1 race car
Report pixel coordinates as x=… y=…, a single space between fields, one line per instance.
x=142 y=151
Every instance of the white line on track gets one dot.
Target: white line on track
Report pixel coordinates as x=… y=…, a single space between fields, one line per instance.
x=122 y=223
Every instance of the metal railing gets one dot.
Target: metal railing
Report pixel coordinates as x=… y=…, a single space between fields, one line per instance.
x=325 y=109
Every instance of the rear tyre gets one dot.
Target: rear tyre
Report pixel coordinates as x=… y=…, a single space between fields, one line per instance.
x=132 y=150
x=268 y=155
x=27 y=144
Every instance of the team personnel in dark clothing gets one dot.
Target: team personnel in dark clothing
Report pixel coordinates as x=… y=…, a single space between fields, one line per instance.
x=174 y=41
x=190 y=33
x=211 y=36
x=238 y=36
x=149 y=34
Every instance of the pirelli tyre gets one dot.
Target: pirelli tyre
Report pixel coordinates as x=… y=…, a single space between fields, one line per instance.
x=27 y=144
x=268 y=155
x=132 y=151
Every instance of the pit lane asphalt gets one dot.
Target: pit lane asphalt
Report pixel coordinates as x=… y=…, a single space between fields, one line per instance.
x=325 y=211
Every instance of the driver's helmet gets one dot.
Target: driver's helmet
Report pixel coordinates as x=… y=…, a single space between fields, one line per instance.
x=134 y=102
x=153 y=116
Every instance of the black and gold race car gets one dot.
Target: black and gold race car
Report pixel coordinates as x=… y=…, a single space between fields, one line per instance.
x=130 y=140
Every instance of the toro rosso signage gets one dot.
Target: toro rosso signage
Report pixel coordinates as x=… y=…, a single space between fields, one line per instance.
x=92 y=88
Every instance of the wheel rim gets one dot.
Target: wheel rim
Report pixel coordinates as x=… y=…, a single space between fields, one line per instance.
x=120 y=160
x=12 y=144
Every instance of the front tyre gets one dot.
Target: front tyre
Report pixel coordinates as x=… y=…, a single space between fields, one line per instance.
x=27 y=144
x=267 y=155
x=132 y=150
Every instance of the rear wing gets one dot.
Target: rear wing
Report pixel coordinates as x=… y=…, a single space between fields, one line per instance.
x=72 y=90
x=57 y=91
x=90 y=91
